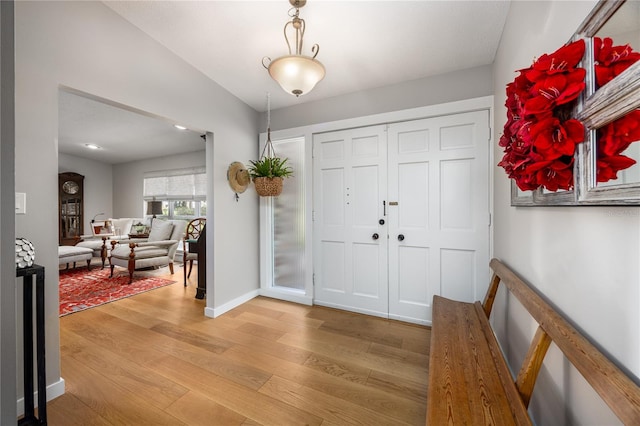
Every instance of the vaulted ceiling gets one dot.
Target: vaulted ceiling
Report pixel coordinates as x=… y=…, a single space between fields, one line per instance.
x=363 y=45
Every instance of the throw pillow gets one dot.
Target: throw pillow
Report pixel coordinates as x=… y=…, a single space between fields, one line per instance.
x=160 y=230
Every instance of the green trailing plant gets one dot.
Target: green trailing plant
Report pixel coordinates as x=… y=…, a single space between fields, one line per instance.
x=270 y=167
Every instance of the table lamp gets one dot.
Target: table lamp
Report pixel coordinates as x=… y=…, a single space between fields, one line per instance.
x=153 y=208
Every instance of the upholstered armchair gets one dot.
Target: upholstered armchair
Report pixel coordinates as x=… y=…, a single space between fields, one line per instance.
x=99 y=241
x=155 y=251
x=98 y=245
x=194 y=228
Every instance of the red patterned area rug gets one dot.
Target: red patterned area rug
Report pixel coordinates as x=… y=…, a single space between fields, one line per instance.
x=81 y=289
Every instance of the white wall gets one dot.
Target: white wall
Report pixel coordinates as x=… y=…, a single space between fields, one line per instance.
x=128 y=180
x=98 y=185
x=583 y=259
x=88 y=47
x=7 y=219
x=438 y=89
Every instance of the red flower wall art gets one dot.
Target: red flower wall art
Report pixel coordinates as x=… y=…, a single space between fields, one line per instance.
x=540 y=137
x=615 y=137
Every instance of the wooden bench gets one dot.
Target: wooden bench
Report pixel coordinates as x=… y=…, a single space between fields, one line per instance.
x=469 y=380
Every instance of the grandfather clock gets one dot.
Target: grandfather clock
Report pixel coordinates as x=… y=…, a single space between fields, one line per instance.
x=70 y=208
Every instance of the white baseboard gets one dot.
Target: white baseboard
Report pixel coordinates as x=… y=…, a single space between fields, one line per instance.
x=54 y=390
x=289 y=296
x=352 y=309
x=305 y=300
x=216 y=312
x=409 y=319
x=374 y=313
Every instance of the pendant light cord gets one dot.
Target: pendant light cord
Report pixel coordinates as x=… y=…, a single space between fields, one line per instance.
x=268 y=146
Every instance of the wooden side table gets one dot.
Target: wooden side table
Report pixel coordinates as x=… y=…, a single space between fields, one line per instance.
x=138 y=235
x=28 y=274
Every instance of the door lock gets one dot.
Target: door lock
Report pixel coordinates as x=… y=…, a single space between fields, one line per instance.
x=381 y=221
x=375 y=236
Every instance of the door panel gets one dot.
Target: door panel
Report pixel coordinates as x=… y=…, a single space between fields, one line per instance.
x=458 y=274
x=433 y=175
x=415 y=200
x=413 y=265
x=333 y=256
x=438 y=174
x=366 y=280
x=362 y=196
x=332 y=201
x=412 y=187
x=350 y=185
x=456 y=210
x=457 y=136
x=365 y=148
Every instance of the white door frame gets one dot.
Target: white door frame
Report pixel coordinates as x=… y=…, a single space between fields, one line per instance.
x=307 y=132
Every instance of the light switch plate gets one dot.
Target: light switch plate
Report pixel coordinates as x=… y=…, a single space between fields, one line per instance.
x=21 y=203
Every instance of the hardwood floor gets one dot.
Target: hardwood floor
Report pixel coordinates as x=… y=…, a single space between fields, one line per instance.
x=154 y=358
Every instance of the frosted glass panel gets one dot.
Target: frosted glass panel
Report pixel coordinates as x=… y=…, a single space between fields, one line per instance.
x=288 y=219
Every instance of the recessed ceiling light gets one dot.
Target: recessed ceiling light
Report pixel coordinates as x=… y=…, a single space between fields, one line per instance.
x=92 y=146
x=177 y=126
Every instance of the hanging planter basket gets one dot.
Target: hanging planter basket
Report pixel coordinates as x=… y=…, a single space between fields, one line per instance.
x=269 y=171
x=268 y=187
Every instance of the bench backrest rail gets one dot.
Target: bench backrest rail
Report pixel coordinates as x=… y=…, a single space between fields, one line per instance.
x=620 y=393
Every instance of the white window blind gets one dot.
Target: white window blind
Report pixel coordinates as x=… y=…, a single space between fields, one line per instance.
x=179 y=184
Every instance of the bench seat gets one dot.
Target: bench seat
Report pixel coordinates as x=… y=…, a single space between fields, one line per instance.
x=470 y=382
x=468 y=378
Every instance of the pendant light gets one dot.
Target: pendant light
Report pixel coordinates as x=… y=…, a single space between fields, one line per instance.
x=296 y=73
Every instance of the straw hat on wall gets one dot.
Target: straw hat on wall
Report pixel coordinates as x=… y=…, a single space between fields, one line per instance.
x=238 y=177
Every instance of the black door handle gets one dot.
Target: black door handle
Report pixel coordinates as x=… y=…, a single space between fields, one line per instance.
x=381 y=221
x=375 y=236
x=400 y=237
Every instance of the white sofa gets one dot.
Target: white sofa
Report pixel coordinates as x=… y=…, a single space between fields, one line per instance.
x=157 y=250
x=123 y=226
x=98 y=241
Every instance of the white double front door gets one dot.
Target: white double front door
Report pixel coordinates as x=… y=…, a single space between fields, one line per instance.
x=401 y=212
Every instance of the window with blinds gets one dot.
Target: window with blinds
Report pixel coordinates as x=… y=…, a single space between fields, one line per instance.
x=180 y=184
x=183 y=192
